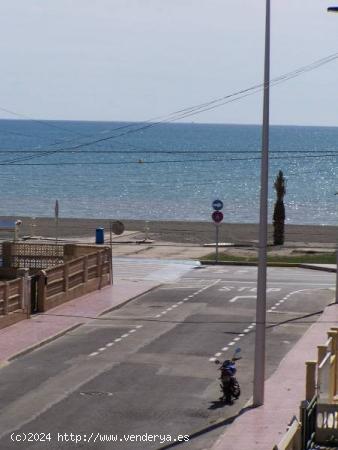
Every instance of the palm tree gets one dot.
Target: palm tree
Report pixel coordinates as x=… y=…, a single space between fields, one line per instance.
x=279 y=211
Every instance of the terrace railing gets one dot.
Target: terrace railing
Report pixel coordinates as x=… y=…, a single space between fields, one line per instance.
x=319 y=411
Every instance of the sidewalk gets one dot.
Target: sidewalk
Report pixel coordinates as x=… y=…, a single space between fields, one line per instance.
x=261 y=428
x=41 y=328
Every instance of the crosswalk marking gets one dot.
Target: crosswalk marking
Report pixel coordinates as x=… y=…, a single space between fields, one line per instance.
x=125 y=268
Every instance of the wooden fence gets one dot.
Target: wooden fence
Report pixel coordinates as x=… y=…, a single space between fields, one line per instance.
x=74 y=278
x=12 y=301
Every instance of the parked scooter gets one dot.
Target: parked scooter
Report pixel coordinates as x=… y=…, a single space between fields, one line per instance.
x=229 y=385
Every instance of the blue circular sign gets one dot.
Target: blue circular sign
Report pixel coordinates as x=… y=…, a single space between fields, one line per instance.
x=217 y=205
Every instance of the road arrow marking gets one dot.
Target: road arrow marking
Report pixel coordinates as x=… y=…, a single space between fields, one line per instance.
x=234 y=299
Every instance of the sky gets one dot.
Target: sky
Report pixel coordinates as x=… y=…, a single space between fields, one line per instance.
x=132 y=60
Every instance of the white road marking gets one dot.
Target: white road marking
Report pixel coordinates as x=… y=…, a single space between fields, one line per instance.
x=117 y=340
x=212 y=359
x=224 y=349
x=102 y=349
x=109 y=344
x=94 y=354
x=218 y=354
x=234 y=299
x=139 y=326
x=237 y=339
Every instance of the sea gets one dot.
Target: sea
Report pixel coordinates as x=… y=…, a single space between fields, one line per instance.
x=164 y=171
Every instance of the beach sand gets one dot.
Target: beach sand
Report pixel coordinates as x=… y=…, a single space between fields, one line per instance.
x=180 y=232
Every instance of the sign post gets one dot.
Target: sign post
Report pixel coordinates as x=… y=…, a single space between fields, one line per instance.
x=217 y=217
x=56 y=221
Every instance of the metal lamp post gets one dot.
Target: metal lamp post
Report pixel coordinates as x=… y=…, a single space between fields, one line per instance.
x=336 y=297
x=259 y=369
x=335 y=10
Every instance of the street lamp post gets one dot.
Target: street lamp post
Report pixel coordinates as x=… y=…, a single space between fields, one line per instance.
x=335 y=10
x=259 y=369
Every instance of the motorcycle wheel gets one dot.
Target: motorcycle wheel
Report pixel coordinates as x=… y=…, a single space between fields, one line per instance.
x=235 y=389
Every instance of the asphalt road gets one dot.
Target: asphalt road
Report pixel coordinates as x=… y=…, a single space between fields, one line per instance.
x=147 y=368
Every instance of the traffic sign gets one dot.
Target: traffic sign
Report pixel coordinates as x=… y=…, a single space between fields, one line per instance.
x=217 y=216
x=217 y=205
x=117 y=227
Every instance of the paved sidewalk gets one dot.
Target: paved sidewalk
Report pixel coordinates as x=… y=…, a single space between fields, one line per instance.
x=261 y=428
x=41 y=328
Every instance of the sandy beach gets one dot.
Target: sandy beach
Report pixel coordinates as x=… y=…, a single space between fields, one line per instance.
x=180 y=232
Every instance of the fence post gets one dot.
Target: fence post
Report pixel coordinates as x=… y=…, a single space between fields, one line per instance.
x=28 y=297
x=110 y=262
x=99 y=268
x=42 y=291
x=310 y=386
x=24 y=275
x=85 y=269
x=6 y=297
x=333 y=334
x=66 y=277
x=321 y=352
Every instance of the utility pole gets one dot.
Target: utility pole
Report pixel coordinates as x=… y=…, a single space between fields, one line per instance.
x=259 y=369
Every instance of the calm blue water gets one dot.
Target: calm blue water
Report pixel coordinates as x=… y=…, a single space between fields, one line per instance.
x=191 y=165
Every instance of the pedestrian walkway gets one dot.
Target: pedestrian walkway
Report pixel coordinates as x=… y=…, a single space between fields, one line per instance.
x=263 y=427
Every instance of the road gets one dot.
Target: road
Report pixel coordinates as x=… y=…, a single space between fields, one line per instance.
x=147 y=368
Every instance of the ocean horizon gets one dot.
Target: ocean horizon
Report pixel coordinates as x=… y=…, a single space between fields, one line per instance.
x=164 y=171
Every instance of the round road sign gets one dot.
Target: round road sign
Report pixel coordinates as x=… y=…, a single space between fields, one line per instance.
x=217 y=205
x=117 y=227
x=217 y=216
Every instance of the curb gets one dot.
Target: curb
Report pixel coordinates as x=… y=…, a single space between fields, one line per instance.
x=125 y=302
x=52 y=338
x=41 y=343
x=271 y=264
x=323 y=269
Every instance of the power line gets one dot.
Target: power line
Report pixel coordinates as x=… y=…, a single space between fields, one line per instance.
x=144 y=162
x=190 y=111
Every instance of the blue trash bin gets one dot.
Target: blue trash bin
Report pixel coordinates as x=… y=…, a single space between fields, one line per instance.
x=99 y=236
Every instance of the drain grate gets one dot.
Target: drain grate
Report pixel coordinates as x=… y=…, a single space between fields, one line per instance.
x=96 y=393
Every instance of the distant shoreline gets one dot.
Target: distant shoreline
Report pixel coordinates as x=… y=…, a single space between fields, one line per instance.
x=174 y=231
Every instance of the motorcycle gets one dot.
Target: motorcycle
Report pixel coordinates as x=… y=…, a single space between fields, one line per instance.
x=230 y=387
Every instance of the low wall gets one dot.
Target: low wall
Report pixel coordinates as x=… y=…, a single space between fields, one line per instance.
x=12 y=308
x=73 y=251
x=74 y=278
